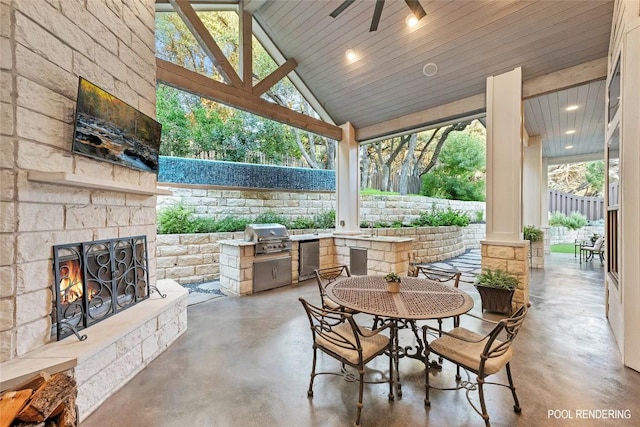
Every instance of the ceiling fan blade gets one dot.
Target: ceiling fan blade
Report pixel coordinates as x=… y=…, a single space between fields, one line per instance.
x=416 y=8
x=377 y=13
x=341 y=8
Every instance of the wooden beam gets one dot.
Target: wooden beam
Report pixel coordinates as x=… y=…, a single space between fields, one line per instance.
x=275 y=76
x=564 y=79
x=246 y=49
x=453 y=110
x=192 y=82
x=591 y=157
x=184 y=9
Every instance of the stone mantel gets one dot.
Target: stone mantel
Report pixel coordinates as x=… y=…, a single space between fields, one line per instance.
x=83 y=181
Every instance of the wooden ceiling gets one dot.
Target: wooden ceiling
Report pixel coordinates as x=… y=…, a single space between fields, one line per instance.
x=386 y=91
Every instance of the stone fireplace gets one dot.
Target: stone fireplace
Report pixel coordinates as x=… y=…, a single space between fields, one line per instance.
x=51 y=197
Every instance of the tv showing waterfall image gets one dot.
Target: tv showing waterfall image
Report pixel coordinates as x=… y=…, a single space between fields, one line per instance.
x=107 y=128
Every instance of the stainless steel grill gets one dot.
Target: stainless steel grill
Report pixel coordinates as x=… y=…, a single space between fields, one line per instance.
x=269 y=238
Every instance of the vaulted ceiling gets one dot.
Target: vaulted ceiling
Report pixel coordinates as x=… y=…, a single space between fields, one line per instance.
x=386 y=91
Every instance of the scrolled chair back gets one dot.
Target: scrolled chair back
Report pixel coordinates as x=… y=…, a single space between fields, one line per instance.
x=511 y=327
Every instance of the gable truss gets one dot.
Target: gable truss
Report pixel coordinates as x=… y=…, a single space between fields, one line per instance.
x=236 y=92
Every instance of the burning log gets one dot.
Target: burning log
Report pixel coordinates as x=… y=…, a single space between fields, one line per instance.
x=47 y=401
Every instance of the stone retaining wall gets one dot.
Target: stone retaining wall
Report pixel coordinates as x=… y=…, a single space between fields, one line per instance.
x=564 y=235
x=247 y=204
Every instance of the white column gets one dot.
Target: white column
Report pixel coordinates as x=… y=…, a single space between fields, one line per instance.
x=531 y=180
x=504 y=157
x=544 y=191
x=348 y=183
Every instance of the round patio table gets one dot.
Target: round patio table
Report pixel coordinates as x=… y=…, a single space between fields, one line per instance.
x=418 y=299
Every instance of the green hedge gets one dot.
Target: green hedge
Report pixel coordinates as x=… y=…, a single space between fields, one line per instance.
x=179 y=219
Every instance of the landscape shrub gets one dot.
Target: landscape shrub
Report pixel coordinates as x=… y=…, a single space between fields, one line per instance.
x=326 y=219
x=176 y=219
x=438 y=217
x=574 y=221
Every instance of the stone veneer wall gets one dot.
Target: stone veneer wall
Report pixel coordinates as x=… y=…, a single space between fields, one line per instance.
x=46 y=46
x=512 y=258
x=247 y=203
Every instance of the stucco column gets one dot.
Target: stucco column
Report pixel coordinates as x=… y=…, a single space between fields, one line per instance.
x=504 y=247
x=348 y=183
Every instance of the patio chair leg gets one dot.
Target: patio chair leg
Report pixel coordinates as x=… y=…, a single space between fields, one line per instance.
x=485 y=415
x=516 y=406
x=313 y=374
x=391 y=377
x=360 y=394
x=427 y=401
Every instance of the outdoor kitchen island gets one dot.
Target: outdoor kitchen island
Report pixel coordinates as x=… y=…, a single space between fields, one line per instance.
x=382 y=255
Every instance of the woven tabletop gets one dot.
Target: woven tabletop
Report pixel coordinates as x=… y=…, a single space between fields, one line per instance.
x=418 y=298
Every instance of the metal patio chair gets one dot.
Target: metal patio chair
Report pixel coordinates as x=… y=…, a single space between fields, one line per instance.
x=482 y=355
x=338 y=335
x=326 y=276
x=590 y=251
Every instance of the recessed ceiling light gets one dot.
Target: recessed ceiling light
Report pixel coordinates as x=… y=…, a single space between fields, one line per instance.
x=572 y=107
x=568 y=147
x=411 y=20
x=351 y=55
x=430 y=69
x=570 y=132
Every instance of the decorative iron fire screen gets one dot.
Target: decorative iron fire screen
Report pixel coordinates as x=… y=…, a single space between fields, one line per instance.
x=95 y=280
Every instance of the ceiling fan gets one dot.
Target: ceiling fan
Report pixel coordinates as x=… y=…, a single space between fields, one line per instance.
x=414 y=5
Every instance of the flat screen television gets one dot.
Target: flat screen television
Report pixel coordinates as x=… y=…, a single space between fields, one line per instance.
x=109 y=129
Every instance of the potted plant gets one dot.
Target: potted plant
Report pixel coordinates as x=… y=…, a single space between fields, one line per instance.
x=393 y=282
x=496 y=289
x=532 y=233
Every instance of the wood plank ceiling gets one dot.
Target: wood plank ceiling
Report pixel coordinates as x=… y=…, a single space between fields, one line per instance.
x=467 y=40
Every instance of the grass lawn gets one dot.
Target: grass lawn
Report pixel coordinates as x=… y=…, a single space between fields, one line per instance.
x=563 y=248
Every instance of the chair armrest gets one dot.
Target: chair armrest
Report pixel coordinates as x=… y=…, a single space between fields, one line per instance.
x=371 y=332
x=482 y=318
x=457 y=337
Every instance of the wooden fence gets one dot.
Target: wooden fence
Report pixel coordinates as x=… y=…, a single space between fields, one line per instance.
x=591 y=207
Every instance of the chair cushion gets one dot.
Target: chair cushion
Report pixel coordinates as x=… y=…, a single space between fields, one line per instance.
x=371 y=346
x=467 y=353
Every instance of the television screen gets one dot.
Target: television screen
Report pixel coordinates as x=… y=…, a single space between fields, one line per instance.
x=109 y=129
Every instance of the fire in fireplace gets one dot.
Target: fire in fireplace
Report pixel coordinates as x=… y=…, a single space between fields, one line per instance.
x=95 y=280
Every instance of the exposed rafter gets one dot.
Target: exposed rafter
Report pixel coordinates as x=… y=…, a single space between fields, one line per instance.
x=275 y=76
x=246 y=52
x=184 y=9
x=192 y=82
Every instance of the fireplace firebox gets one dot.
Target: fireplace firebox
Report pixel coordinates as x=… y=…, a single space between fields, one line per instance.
x=95 y=280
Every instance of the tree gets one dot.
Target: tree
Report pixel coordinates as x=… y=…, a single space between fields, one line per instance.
x=460 y=169
x=584 y=179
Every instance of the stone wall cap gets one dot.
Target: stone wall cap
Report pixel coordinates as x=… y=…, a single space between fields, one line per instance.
x=519 y=244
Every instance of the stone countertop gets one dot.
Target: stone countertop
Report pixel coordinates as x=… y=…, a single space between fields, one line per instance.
x=314 y=236
x=385 y=239
x=236 y=242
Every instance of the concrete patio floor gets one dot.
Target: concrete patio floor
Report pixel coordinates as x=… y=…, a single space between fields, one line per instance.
x=245 y=361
